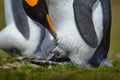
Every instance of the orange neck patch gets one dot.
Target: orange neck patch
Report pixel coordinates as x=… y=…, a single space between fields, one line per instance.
x=31 y=3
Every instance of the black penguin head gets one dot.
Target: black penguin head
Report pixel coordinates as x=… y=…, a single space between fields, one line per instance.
x=38 y=11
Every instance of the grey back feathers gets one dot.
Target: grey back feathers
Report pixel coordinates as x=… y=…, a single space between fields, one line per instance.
x=83 y=18
x=20 y=18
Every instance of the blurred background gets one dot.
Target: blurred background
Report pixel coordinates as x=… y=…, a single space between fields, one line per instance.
x=114 y=52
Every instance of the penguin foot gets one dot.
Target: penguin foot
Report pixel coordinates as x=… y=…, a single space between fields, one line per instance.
x=106 y=62
x=57 y=54
x=41 y=62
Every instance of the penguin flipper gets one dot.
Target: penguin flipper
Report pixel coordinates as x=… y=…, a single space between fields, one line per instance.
x=102 y=50
x=83 y=18
x=20 y=18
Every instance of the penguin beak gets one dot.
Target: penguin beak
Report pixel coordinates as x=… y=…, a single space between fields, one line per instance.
x=51 y=27
x=31 y=3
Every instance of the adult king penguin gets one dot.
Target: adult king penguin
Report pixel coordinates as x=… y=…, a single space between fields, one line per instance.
x=21 y=35
x=82 y=27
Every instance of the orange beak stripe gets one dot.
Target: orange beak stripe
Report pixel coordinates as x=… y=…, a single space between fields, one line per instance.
x=50 y=24
x=32 y=3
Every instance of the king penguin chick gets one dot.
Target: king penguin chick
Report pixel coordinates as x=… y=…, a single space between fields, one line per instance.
x=79 y=26
x=21 y=35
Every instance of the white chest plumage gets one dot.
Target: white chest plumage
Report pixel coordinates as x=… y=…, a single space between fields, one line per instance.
x=62 y=15
x=10 y=36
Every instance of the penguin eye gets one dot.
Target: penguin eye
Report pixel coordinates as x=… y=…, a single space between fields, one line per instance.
x=32 y=3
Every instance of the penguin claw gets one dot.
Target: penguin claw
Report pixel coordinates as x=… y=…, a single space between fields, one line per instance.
x=106 y=62
x=57 y=54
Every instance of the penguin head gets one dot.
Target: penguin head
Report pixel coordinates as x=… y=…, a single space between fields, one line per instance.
x=38 y=11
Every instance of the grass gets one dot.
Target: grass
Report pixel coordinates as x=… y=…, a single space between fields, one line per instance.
x=24 y=70
x=68 y=71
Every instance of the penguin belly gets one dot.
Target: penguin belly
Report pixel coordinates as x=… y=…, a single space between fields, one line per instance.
x=69 y=38
x=11 y=38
